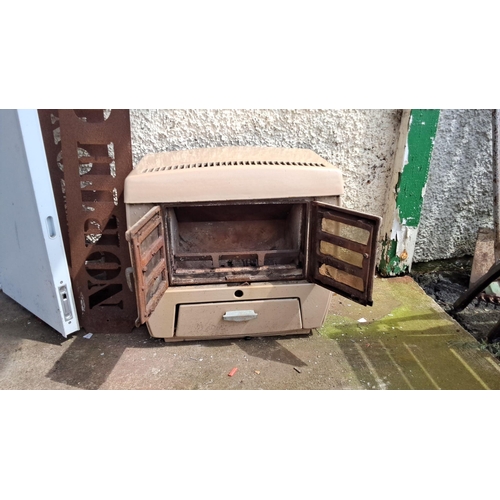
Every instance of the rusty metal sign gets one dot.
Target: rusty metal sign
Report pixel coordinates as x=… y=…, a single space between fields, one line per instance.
x=89 y=155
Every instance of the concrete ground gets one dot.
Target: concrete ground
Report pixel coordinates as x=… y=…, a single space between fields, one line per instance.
x=405 y=341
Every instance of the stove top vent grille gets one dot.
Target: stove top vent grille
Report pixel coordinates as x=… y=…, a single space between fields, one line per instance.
x=230 y=163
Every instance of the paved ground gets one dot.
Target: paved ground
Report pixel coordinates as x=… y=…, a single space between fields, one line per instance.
x=406 y=342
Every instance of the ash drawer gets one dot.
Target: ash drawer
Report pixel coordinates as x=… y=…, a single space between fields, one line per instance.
x=238 y=318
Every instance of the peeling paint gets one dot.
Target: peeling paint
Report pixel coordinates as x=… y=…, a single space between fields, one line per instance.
x=404 y=237
x=398 y=250
x=416 y=169
x=405 y=162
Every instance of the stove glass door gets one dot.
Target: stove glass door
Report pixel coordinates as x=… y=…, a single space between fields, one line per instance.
x=342 y=251
x=147 y=249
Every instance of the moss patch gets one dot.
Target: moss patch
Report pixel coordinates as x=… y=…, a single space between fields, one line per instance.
x=408 y=342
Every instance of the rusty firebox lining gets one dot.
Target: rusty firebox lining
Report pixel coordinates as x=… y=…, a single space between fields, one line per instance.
x=89 y=155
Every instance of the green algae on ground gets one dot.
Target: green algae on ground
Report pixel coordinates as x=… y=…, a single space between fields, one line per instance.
x=407 y=342
x=403 y=319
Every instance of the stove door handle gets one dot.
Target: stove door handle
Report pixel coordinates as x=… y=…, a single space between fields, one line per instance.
x=239 y=315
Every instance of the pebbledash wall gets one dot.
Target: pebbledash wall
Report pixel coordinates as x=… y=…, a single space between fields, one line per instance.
x=362 y=143
x=459 y=195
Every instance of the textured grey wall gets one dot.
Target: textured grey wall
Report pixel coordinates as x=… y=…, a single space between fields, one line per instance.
x=459 y=194
x=458 y=198
x=360 y=142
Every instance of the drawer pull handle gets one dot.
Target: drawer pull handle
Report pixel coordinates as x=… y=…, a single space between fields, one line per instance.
x=239 y=315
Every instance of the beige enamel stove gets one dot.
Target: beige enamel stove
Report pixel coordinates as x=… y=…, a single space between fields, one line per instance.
x=242 y=242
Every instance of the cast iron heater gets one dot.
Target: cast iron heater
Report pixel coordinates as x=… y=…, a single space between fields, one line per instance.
x=241 y=241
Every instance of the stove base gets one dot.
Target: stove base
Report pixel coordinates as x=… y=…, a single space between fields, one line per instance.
x=212 y=311
x=303 y=333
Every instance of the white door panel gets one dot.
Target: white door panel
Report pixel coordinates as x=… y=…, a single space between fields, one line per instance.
x=33 y=266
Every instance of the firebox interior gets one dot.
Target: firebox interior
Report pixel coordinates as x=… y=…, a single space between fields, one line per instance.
x=236 y=243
